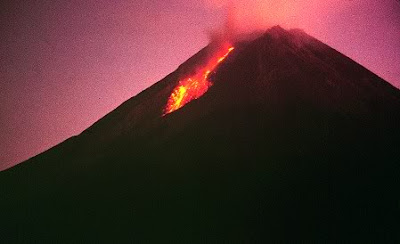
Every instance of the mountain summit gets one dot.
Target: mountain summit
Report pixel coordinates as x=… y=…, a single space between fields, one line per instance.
x=288 y=140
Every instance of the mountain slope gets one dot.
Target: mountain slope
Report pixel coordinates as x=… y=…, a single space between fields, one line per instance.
x=294 y=141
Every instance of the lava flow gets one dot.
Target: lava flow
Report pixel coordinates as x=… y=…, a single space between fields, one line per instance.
x=195 y=86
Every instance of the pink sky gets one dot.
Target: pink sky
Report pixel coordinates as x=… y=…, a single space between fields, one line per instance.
x=65 y=64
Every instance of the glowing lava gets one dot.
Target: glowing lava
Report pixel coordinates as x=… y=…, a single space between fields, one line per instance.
x=195 y=86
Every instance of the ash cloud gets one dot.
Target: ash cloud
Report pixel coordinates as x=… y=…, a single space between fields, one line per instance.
x=228 y=30
x=245 y=16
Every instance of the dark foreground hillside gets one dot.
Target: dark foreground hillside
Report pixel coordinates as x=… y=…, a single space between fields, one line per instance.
x=293 y=142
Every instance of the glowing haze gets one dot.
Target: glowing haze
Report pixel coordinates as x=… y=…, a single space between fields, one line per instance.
x=65 y=64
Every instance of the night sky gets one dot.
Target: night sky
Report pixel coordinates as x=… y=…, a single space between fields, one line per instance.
x=65 y=64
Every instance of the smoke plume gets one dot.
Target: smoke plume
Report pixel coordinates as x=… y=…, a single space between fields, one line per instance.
x=245 y=16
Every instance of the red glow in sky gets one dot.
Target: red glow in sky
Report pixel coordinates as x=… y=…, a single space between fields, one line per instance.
x=65 y=64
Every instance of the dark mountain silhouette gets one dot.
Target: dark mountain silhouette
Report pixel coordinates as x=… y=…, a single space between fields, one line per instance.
x=293 y=142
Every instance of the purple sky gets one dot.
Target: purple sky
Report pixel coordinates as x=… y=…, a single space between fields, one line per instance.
x=65 y=64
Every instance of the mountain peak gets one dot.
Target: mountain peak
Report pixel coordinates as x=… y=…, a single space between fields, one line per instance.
x=276 y=29
x=296 y=38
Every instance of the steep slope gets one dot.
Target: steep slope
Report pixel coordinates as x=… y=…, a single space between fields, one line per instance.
x=294 y=141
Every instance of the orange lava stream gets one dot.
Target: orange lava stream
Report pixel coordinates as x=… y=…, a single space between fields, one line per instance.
x=195 y=86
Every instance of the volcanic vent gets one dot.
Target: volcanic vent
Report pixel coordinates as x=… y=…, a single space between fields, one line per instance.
x=293 y=142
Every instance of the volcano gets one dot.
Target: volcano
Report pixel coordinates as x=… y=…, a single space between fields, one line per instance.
x=289 y=141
